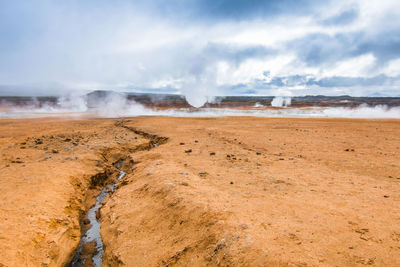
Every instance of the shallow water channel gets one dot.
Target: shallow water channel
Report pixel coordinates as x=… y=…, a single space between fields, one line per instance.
x=93 y=233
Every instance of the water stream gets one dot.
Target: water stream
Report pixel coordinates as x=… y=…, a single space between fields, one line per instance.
x=93 y=233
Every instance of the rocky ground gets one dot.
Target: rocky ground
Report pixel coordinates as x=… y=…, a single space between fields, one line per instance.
x=203 y=191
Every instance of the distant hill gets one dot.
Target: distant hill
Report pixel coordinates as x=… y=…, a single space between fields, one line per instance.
x=96 y=98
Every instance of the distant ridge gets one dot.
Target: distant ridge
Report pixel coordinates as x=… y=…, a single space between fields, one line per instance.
x=178 y=101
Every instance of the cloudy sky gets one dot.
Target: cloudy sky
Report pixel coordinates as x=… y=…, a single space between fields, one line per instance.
x=201 y=48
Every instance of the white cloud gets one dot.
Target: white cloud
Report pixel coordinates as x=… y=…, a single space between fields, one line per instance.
x=354 y=67
x=392 y=69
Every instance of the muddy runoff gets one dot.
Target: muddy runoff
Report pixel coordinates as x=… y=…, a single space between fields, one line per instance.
x=91 y=249
x=93 y=233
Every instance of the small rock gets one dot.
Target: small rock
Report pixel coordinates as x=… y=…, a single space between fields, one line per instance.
x=188 y=151
x=181 y=144
x=258 y=153
x=184 y=184
x=202 y=174
x=212 y=153
x=38 y=141
x=386 y=196
x=196 y=141
x=89 y=249
x=184 y=173
x=231 y=182
x=55 y=151
x=67 y=140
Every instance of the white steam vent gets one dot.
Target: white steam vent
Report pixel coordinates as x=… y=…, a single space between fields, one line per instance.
x=198 y=100
x=280 y=101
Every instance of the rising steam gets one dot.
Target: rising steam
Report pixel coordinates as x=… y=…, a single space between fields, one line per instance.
x=113 y=105
x=280 y=101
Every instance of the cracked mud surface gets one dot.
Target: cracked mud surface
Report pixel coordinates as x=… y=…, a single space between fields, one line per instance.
x=219 y=191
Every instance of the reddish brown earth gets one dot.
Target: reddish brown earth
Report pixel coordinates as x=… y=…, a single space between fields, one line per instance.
x=220 y=191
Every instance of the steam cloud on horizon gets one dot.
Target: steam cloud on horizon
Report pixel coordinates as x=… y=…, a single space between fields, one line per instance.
x=112 y=105
x=281 y=101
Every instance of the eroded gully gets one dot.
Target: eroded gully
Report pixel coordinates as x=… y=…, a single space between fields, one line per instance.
x=93 y=233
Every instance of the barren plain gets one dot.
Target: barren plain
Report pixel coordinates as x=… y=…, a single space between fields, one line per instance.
x=228 y=191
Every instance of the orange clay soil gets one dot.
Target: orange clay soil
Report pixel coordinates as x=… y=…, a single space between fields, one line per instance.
x=220 y=191
x=50 y=171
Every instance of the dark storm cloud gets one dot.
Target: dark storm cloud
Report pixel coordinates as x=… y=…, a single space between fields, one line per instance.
x=330 y=82
x=214 y=52
x=320 y=49
x=221 y=10
x=250 y=9
x=343 y=18
x=354 y=81
x=357 y=86
x=384 y=45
